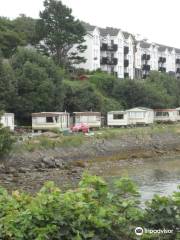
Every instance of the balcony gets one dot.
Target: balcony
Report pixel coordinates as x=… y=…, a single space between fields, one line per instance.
x=162 y=69
x=126 y=75
x=162 y=60
x=111 y=48
x=146 y=57
x=126 y=50
x=109 y=61
x=178 y=61
x=104 y=47
x=126 y=63
x=146 y=67
x=178 y=70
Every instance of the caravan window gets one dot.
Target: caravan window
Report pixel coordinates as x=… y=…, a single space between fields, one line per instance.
x=118 y=116
x=136 y=114
x=49 y=119
x=162 y=114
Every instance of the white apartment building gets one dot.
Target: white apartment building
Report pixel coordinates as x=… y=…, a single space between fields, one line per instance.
x=117 y=52
x=109 y=49
x=156 y=57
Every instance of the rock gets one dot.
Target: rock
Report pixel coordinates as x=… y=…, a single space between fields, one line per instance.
x=15 y=174
x=74 y=171
x=2 y=168
x=58 y=163
x=23 y=170
x=80 y=163
x=10 y=170
x=49 y=162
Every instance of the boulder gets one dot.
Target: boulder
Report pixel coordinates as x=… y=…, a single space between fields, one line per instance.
x=23 y=170
x=59 y=163
x=49 y=162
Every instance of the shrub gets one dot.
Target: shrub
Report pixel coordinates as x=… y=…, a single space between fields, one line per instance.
x=92 y=211
x=6 y=141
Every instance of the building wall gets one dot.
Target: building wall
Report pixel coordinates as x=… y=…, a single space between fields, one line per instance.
x=93 y=56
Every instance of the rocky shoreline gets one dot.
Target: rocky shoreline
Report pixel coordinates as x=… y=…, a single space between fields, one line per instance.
x=29 y=170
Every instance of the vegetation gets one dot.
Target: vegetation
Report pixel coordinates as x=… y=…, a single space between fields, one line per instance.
x=59 y=32
x=75 y=140
x=14 y=33
x=92 y=211
x=6 y=140
x=31 y=81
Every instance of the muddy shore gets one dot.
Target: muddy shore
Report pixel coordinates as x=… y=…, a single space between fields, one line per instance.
x=29 y=170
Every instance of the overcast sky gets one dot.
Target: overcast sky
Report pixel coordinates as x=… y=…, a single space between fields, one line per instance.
x=157 y=20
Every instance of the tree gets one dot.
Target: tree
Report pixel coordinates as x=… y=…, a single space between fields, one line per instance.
x=9 y=39
x=81 y=96
x=39 y=84
x=8 y=87
x=6 y=139
x=59 y=32
x=25 y=27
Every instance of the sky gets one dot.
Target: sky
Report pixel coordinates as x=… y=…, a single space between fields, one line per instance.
x=156 y=20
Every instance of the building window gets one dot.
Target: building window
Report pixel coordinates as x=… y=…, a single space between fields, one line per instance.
x=118 y=116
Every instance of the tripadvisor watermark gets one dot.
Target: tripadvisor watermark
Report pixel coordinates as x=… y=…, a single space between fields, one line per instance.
x=139 y=231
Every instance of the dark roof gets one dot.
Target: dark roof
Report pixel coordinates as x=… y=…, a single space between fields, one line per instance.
x=48 y=114
x=109 y=30
x=177 y=50
x=162 y=48
x=126 y=34
x=144 y=44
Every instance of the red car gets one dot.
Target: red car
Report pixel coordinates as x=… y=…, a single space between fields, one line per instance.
x=80 y=127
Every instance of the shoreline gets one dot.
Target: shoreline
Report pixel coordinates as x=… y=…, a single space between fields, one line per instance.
x=28 y=171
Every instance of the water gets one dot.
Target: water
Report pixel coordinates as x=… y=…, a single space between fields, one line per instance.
x=153 y=176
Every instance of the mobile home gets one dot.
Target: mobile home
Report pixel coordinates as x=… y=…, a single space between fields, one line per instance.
x=165 y=115
x=117 y=118
x=178 y=113
x=134 y=116
x=7 y=120
x=140 y=115
x=93 y=119
x=50 y=120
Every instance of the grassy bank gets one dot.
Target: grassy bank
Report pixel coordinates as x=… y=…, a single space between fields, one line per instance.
x=76 y=140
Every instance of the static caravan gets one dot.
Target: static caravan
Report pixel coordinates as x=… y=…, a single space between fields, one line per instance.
x=140 y=115
x=178 y=113
x=50 y=120
x=93 y=119
x=117 y=118
x=7 y=120
x=165 y=115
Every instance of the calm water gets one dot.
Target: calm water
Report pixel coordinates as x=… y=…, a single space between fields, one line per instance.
x=153 y=176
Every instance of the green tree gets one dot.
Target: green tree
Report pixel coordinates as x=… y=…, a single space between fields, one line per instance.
x=59 y=32
x=39 y=84
x=25 y=27
x=81 y=96
x=8 y=87
x=9 y=38
x=6 y=140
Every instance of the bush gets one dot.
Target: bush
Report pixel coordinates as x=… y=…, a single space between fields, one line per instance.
x=6 y=141
x=92 y=211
